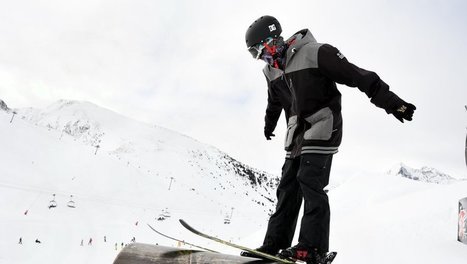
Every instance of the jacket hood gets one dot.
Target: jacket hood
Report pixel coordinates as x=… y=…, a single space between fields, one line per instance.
x=298 y=40
x=302 y=37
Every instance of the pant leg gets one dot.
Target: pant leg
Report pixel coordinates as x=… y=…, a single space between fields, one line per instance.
x=282 y=224
x=313 y=176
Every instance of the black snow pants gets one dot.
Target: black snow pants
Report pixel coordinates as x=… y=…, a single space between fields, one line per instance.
x=302 y=178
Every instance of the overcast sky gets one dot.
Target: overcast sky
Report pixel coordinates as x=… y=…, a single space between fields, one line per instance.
x=183 y=65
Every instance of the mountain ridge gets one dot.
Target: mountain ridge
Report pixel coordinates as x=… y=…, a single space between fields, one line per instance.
x=424 y=174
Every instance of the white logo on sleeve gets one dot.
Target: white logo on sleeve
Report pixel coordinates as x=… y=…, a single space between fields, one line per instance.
x=272 y=28
x=340 y=55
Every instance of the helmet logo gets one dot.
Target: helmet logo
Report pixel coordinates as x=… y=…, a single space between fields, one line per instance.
x=272 y=28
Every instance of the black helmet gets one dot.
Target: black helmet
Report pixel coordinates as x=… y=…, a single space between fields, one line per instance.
x=263 y=28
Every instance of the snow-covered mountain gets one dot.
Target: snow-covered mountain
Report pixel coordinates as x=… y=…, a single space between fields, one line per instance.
x=425 y=174
x=121 y=174
x=139 y=143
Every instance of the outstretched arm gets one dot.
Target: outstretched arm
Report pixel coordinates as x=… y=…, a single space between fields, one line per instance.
x=336 y=67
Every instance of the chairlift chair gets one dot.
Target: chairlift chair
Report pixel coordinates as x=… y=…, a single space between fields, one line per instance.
x=71 y=203
x=166 y=213
x=53 y=203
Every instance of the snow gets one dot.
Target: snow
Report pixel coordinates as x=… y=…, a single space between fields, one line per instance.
x=397 y=220
x=376 y=218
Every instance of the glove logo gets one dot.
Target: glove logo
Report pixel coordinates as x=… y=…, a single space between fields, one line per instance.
x=402 y=109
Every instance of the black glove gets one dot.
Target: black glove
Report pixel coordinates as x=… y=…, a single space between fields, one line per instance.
x=268 y=134
x=404 y=111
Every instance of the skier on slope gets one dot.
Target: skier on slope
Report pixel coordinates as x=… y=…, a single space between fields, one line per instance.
x=314 y=131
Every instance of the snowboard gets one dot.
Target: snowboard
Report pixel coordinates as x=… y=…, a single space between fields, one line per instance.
x=181 y=241
x=225 y=242
x=329 y=258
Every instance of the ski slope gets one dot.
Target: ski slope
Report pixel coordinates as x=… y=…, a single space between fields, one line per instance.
x=140 y=170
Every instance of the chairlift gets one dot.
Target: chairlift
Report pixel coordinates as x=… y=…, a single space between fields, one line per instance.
x=52 y=203
x=227 y=220
x=71 y=203
x=164 y=215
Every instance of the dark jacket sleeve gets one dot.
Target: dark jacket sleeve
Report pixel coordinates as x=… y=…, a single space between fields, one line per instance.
x=273 y=110
x=335 y=66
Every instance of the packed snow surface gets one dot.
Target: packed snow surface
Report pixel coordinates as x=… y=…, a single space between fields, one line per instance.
x=120 y=174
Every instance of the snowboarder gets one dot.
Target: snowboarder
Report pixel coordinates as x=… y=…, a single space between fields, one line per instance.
x=310 y=71
x=20 y=241
x=105 y=239
x=133 y=240
x=38 y=241
x=90 y=242
x=82 y=242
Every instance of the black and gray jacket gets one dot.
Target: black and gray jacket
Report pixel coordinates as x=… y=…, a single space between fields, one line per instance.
x=311 y=72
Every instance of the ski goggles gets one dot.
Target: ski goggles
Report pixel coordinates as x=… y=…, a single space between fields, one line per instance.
x=257 y=49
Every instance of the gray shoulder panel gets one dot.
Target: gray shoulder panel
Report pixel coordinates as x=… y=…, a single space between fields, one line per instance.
x=305 y=57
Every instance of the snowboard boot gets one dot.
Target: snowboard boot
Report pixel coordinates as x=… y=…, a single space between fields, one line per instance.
x=271 y=250
x=310 y=256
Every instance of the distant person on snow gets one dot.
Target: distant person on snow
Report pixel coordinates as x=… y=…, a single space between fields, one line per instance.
x=20 y=241
x=310 y=71
x=38 y=241
x=90 y=242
